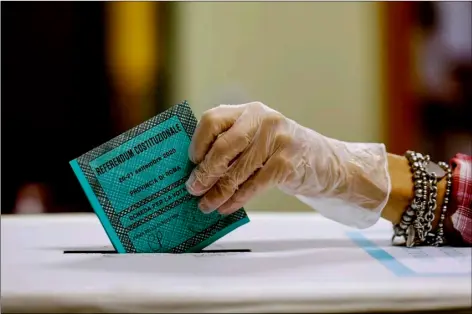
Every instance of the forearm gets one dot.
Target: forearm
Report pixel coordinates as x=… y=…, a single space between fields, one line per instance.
x=402 y=190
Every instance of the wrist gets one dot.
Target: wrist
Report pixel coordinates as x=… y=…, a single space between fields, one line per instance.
x=353 y=176
x=367 y=178
x=402 y=192
x=418 y=212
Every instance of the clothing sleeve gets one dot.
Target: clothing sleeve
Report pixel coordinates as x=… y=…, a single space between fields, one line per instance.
x=460 y=207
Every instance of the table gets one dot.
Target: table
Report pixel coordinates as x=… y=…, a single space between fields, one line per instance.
x=298 y=263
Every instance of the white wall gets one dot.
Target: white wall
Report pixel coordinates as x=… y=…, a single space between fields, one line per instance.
x=316 y=62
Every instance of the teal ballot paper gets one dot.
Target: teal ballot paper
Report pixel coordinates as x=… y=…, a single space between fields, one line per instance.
x=136 y=185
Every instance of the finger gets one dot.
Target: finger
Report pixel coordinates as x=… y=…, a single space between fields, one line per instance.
x=266 y=141
x=225 y=183
x=269 y=175
x=250 y=160
x=246 y=165
x=213 y=122
x=218 y=160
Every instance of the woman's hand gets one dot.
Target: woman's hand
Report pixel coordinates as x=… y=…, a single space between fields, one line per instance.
x=242 y=150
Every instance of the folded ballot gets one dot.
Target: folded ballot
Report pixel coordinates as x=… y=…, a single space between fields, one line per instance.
x=136 y=185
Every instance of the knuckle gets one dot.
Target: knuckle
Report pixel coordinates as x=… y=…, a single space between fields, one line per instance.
x=277 y=119
x=283 y=139
x=246 y=194
x=208 y=117
x=228 y=184
x=201 y=173
x=211 y=171
x=235 y=205
x=273 y=120
x=256 y=105
x=222 y=145
x=208 y=173
x=284 y=164
x=201 y=170
x=243 y=195
x=240 y=139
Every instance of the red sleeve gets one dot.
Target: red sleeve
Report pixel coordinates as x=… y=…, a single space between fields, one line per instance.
x=460 y=208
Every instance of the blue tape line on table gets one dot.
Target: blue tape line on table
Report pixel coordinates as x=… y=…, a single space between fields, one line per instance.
x=390 y=262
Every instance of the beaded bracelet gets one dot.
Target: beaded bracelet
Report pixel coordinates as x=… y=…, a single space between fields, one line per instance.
x=416 y=222
x=440 y=239
x=418 y=164
x=417 y=207
x=424 y=233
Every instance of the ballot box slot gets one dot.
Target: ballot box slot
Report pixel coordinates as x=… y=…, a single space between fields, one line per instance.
x=114 y=252
x=90 y=252
x=226 y=251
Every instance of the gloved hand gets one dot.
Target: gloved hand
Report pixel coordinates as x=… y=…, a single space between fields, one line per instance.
x=242 y=150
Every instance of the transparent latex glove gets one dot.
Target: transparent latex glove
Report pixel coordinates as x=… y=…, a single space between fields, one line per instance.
x=242 y=150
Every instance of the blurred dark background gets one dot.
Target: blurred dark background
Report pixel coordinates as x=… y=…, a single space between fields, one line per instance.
x=444 y=58
x=55 y=97
x=59 y=99
x=75 y=74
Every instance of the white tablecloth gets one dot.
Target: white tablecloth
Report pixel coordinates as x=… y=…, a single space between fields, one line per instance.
x=298 y=263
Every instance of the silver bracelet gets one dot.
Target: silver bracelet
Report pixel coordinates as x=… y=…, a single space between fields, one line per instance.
x=440 y=238
x=416 y=231
x=415 y=226
x=405 y=228
x=432 y=205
